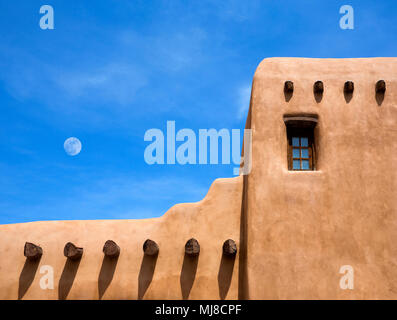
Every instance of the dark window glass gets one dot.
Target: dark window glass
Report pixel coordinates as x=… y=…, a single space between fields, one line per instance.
x=300 y=148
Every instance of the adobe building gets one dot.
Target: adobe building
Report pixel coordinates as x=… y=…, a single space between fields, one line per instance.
x=321 y=195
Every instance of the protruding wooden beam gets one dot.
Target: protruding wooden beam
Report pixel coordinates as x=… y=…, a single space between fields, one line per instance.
x=150 y=248
x=380 y=86
x=288 y=86
x=72 y=252
x=111 y=249
x=349 y=87
x=32 y=251
x=318 y=87
x=192 y=247
x=229 y=248
x=301 y=120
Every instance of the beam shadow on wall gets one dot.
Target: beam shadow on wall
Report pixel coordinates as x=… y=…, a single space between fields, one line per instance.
x=225 y=275
x=106 y=274
x=27 y=276
x=67 y=278
x=380 y=88
x=146 y=274
x=188 y=274
x=348 y=90
x=318 y=89
x=288 y=90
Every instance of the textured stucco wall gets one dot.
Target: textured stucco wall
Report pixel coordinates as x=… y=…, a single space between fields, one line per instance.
x=303 y=226
x=294 y=230
x=211 y=221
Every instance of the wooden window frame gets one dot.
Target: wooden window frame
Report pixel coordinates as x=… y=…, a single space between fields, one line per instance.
x=301 y=133
x=301 y=127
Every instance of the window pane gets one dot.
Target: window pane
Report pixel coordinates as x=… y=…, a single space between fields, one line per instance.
x=295 y=142
x=305 y=153
x=296 y=165
x=305 y=165
x=304 y=142
x=295 y=153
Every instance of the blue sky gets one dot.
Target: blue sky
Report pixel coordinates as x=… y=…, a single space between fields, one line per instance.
x=112 y=69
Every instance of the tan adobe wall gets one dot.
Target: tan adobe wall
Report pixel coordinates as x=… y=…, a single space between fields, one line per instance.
x=211 y=221
x=303 y=226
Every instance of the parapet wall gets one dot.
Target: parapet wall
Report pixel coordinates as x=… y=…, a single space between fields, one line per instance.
x=170 y=275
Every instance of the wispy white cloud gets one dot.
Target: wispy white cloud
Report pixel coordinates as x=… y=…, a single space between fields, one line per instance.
x=28 y=76
x=238 y=10
x=160 y=188
x=170 y=52
x=109 y=197
x=115 y=82
x=101 y=87
x=243 y=101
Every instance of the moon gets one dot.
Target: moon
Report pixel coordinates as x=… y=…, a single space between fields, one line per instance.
x=72 y=146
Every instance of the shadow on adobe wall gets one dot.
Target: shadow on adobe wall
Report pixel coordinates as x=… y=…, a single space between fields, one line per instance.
x=67 y=278
x=188 y=274
x=27 y=276
x=225 y=275
x=318 y=96
x=106 y=274
x=379 y=96
x=348 y=96
x=146 y=274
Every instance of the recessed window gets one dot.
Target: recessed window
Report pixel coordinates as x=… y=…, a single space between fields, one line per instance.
x=301 y=154
x=301 y=146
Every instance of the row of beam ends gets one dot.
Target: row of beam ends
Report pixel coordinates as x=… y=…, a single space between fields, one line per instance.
x=112 y=250
x=318 y=87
